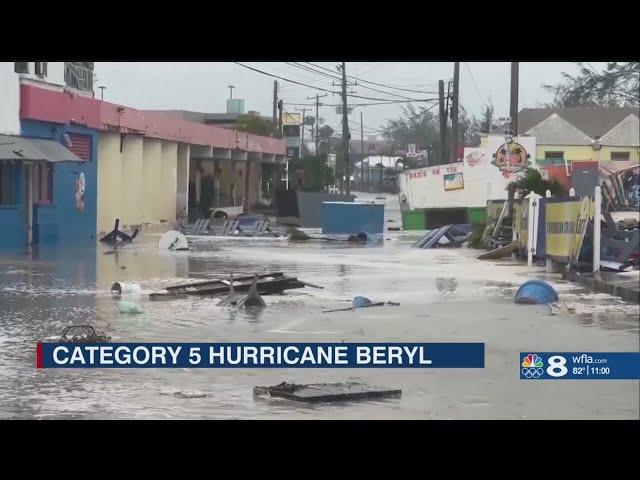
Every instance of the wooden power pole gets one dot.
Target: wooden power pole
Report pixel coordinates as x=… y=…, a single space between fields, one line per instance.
x=454 y=110
x=515 y=74
x=443 y=124
x=345 y=128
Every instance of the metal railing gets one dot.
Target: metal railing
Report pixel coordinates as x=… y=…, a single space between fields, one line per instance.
x=78 y=75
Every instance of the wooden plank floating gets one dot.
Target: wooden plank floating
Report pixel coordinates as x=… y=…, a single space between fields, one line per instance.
x=326 y=392
x=268 y=284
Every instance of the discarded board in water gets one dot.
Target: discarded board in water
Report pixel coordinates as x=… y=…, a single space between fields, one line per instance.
x=268 y=284
x=326 y=392
x=501 y=252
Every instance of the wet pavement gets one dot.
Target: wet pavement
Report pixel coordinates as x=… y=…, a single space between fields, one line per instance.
x=445 y=295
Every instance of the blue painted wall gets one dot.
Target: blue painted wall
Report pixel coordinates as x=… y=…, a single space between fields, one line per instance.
x=13 y=234
x=62 y=221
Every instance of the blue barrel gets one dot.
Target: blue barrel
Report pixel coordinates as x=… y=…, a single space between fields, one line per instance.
x=536 y=292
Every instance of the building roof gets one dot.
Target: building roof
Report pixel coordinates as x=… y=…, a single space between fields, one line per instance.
x=34 y=149
x=595 y=122
x=202 y=117
x=47 y=105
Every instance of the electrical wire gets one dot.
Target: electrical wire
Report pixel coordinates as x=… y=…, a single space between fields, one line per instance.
x=373 y=83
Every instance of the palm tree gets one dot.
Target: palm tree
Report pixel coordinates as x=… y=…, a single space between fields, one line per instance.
x=532 y=181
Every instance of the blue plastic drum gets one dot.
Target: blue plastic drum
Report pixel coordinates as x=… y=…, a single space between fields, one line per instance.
x=536 y=292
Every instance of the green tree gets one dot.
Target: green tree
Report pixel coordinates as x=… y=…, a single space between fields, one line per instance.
x=532 y=181
x=616 y=86
x=255 y=124
x=422 y=127
x=310 y=174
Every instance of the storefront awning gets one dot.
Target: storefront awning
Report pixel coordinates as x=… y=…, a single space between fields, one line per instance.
x=34 y=149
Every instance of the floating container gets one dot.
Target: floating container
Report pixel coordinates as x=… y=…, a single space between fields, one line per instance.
x=352 y=218
x=536 y=292
x=125 y=288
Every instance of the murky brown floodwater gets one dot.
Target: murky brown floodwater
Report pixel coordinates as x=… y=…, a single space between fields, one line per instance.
x=445 y=296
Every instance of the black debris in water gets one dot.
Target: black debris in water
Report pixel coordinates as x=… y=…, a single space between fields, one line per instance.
x=82 y=334
x=326 y=392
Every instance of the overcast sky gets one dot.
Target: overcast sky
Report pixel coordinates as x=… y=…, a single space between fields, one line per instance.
x=203 y=86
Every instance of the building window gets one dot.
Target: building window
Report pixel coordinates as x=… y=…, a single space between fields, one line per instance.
x=21 y=67
x=43 y=184
x=551 y=155
x=41 y=69
x=81 y=145
x=619 y=155
x=6 y=183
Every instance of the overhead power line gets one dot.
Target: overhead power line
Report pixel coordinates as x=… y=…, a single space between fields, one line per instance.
x=320 y=88
x=373 y=83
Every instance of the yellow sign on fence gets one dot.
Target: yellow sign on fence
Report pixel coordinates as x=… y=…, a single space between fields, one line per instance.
x=565 y=227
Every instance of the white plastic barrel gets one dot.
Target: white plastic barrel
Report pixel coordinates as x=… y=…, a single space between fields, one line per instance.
x=125 y=288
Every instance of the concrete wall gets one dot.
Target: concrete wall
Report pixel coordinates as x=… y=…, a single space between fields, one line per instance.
x=139 y=184
x=132 y=179
x=109 y=182
x=182 y=176
x=10 y=104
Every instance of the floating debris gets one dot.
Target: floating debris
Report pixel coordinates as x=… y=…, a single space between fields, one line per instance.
x=125 y=288
x=447 y=236
x=501 y=252
x=82 y=334
x=326 y=392
x=252 y=298
x=129 y=307
x=268 y=284
x=536 y=292
x=174 y=241
x=116 y=235
x=362 y=302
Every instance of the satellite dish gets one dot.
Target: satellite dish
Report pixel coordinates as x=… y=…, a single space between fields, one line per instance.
x=173 y=240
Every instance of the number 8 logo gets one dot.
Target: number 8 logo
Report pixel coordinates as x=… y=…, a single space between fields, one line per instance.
x=557 y=366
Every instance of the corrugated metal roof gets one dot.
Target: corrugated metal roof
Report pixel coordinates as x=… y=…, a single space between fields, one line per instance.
x=34 y=149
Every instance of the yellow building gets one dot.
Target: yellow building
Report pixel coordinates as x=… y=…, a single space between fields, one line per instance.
x=581 y=133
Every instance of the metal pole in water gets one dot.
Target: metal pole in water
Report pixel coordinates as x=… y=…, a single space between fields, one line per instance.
x=549 y=262
x=597 y=198
x=531 y=197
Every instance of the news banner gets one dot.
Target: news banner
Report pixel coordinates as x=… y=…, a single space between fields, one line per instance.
x=531 y=366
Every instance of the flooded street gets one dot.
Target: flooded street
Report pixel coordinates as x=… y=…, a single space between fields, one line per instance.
x=445 y=295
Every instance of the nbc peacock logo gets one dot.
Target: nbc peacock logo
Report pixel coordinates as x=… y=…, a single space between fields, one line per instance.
x=532 y=366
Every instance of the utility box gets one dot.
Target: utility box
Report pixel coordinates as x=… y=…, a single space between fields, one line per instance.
x=352 y=218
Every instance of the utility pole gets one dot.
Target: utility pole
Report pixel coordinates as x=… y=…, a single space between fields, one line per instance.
x=361 y=148
x=275 y=106
x=515 y=74
x=317 y=122
x=345 y=128
x=280 y=108
x=304 y=111
x=454 y=109
x=230 y=87
x=443 y=124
